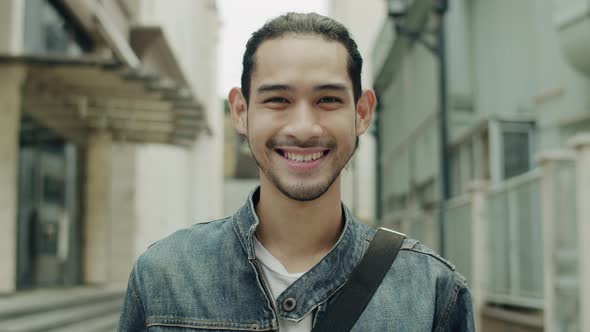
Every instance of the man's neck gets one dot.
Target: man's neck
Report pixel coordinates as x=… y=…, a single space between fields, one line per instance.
x=298 y=233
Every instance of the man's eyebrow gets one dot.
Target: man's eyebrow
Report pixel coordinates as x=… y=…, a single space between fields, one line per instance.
x=284 y=87
x=330 y=86
x=273 y=87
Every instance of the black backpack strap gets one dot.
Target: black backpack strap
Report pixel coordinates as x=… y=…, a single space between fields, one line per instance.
x=364 y=280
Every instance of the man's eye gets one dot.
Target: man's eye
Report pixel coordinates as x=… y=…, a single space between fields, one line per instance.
x=330 y=100
x=276 y=100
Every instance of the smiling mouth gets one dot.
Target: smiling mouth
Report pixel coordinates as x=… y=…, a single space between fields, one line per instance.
x=302 y=157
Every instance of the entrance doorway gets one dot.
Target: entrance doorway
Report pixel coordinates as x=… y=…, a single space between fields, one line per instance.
x=49 y=209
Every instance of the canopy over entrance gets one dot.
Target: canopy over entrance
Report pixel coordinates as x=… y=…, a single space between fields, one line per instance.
x=75 y=96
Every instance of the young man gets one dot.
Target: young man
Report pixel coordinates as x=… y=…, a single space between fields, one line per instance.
x=281 y=260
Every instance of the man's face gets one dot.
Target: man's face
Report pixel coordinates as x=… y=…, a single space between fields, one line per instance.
x=301 y=118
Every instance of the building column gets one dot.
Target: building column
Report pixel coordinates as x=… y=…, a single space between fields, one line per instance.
x=124 y=228
x=479 y=249
x=98 y=210
x=11 y=80
x=549 y=162
x=581 y=144
x=11 y=26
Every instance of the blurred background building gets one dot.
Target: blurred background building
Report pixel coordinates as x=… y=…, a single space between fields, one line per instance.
x=111 y=138
x=517 y=91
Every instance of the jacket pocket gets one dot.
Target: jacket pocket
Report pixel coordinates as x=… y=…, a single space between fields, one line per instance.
x=174 y=324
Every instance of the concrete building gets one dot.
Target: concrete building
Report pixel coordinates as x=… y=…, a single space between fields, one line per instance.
x=111 y=134
x=518 y=83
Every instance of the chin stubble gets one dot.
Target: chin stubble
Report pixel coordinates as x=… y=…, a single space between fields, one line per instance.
x=300 y=192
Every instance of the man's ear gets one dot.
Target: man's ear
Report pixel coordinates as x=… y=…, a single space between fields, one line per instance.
x=238 y=108
x=364 y=110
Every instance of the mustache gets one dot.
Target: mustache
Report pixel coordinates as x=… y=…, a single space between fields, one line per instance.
x=273 y=143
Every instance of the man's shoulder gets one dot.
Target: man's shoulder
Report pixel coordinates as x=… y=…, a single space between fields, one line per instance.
x=200 y=231
x=414 y=250
x=432 y=290
x=418 y=258
x=186 y=242
x=415 y=257
x=415 y=247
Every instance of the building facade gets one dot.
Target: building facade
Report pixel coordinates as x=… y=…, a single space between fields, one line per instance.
x=111 y=138
x=518 y=82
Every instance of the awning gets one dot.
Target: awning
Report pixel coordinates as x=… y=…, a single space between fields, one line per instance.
x=76 y=95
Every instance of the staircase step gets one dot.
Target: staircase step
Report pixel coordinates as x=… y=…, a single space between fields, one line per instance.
x=28 y=303
x=104 y=323
x=61 y=317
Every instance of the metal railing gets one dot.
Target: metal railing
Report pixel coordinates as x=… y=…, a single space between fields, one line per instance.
x=515 y=241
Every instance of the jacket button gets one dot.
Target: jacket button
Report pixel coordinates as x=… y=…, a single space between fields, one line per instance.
x=289 y=304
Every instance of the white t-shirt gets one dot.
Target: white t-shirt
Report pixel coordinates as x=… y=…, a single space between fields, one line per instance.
x=279 y=279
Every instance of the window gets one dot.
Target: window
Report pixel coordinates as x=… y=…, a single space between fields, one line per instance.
x=512 y=149
x=50 y=30
x=516 y=153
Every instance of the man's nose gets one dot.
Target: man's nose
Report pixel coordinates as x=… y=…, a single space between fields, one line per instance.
x=303 y=123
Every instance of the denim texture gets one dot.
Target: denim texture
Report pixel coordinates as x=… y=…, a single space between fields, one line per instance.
x=204 y=278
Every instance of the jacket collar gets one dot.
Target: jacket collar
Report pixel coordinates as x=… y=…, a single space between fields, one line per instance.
x=325 y=278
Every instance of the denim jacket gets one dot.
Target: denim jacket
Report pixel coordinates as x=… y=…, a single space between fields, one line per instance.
x=207 y=278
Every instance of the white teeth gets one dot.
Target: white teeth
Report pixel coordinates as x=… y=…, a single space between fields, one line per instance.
x=303 y=158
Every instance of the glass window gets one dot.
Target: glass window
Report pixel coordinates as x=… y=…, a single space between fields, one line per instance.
x=516 y=149
x=48 y=31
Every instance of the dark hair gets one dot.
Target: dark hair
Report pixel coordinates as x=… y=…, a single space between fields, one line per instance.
x=303 y=24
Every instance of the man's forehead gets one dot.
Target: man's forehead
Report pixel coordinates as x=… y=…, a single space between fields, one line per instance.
x=291 y=58
x=291 y=40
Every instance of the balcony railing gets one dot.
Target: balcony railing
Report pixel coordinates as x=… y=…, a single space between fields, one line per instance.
x=565 y=235
x=515 y=239
x=517 y=243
